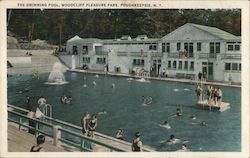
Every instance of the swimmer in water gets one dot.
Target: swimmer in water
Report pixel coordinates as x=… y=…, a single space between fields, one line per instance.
x=184 y=148
x=178 y=112
x=103 y=112
x=172 y=140
x=204 y=124
x=94 y=83
x=97 y=76
x=113 y=85
x=193 y=117
x=120 y=134
x=69 y=99
x=165 y=124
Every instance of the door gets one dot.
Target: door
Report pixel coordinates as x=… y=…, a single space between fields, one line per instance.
x=207 y=68
x=75 y=50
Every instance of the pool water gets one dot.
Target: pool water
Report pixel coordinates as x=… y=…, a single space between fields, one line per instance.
x=125 y=110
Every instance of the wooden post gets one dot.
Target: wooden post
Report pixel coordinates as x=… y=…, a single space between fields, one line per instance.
x=20 y=122
x=56 y=135
x=37 y=128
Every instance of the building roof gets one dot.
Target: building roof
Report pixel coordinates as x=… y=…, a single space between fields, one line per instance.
x=77 y=39
x=216 y=32
x=149 y=40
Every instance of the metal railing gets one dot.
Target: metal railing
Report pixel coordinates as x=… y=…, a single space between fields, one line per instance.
x=122 y=53
x=230 y=56
x=139 y=54
x=64 y=127
x=206 y=55
x=101 y=53
x=180 y=55
x=57 y=130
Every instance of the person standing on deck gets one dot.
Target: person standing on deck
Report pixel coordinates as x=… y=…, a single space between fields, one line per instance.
x=41 y=103
x=41 y=100
x=215 y=96
x=137 y=144
x=85 y=131
x=198 y=91
x=84 y=122
x=92 y=125
x=204 y=76
x=209 y=93
x=28 y=103
x=199 y=76
x=219 y=96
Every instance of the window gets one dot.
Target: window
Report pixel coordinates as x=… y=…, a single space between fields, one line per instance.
x=180 y=65
x=134 y=61
x=230 y=47
x=237 y=47
x=217 y=47
x=75 y=50
x=169 y=64
x=168 y=47
x=178 y=46
x=211 y=46
x=186 y=47
x=234 y=66
x=239 y=67
x=186 y=65
x=86 y=59
x=191 y=65
x=189 y=49
x=138 y=62
x=227 y=66
x=174 y=65
x=84 y=50
x=233 y=46
x=199 y=46
x=163 y=47
x=101 y=60
x=152 y=47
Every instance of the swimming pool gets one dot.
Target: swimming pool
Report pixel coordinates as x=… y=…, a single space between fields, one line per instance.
x=125 y=110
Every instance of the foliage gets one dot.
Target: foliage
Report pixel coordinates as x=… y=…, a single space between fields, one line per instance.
x=105 y=24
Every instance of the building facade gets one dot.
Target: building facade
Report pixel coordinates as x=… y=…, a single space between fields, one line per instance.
x=184 y=53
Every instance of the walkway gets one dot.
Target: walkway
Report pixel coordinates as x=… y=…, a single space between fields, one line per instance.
x=156 y=78
x=21 y=141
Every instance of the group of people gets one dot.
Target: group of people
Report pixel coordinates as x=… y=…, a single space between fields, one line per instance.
x=214 y=94
x=89 y=124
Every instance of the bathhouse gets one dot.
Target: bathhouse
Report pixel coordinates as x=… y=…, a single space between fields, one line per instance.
x=183 y=53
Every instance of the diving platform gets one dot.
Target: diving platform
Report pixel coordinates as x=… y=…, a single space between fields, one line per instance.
x=222 y=106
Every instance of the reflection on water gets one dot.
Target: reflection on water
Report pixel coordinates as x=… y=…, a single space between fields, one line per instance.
x=124 y=109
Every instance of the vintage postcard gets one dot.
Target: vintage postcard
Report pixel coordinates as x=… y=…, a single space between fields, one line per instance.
x=124 y=79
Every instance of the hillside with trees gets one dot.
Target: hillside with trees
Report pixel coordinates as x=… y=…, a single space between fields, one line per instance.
x=57 y=26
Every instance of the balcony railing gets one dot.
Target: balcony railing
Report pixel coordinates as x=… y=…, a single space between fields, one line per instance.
x=230 y=56
x=206 y=55
x=181 y=55
x=156 y=54
x=139 y=54
x=101 y=53
x=122 y=53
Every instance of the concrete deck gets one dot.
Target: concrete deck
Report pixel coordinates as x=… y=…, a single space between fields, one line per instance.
x=21 y=141
x=155 y=78
x=41 y=61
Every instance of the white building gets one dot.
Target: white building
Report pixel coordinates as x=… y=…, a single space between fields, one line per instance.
x=183 y=53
